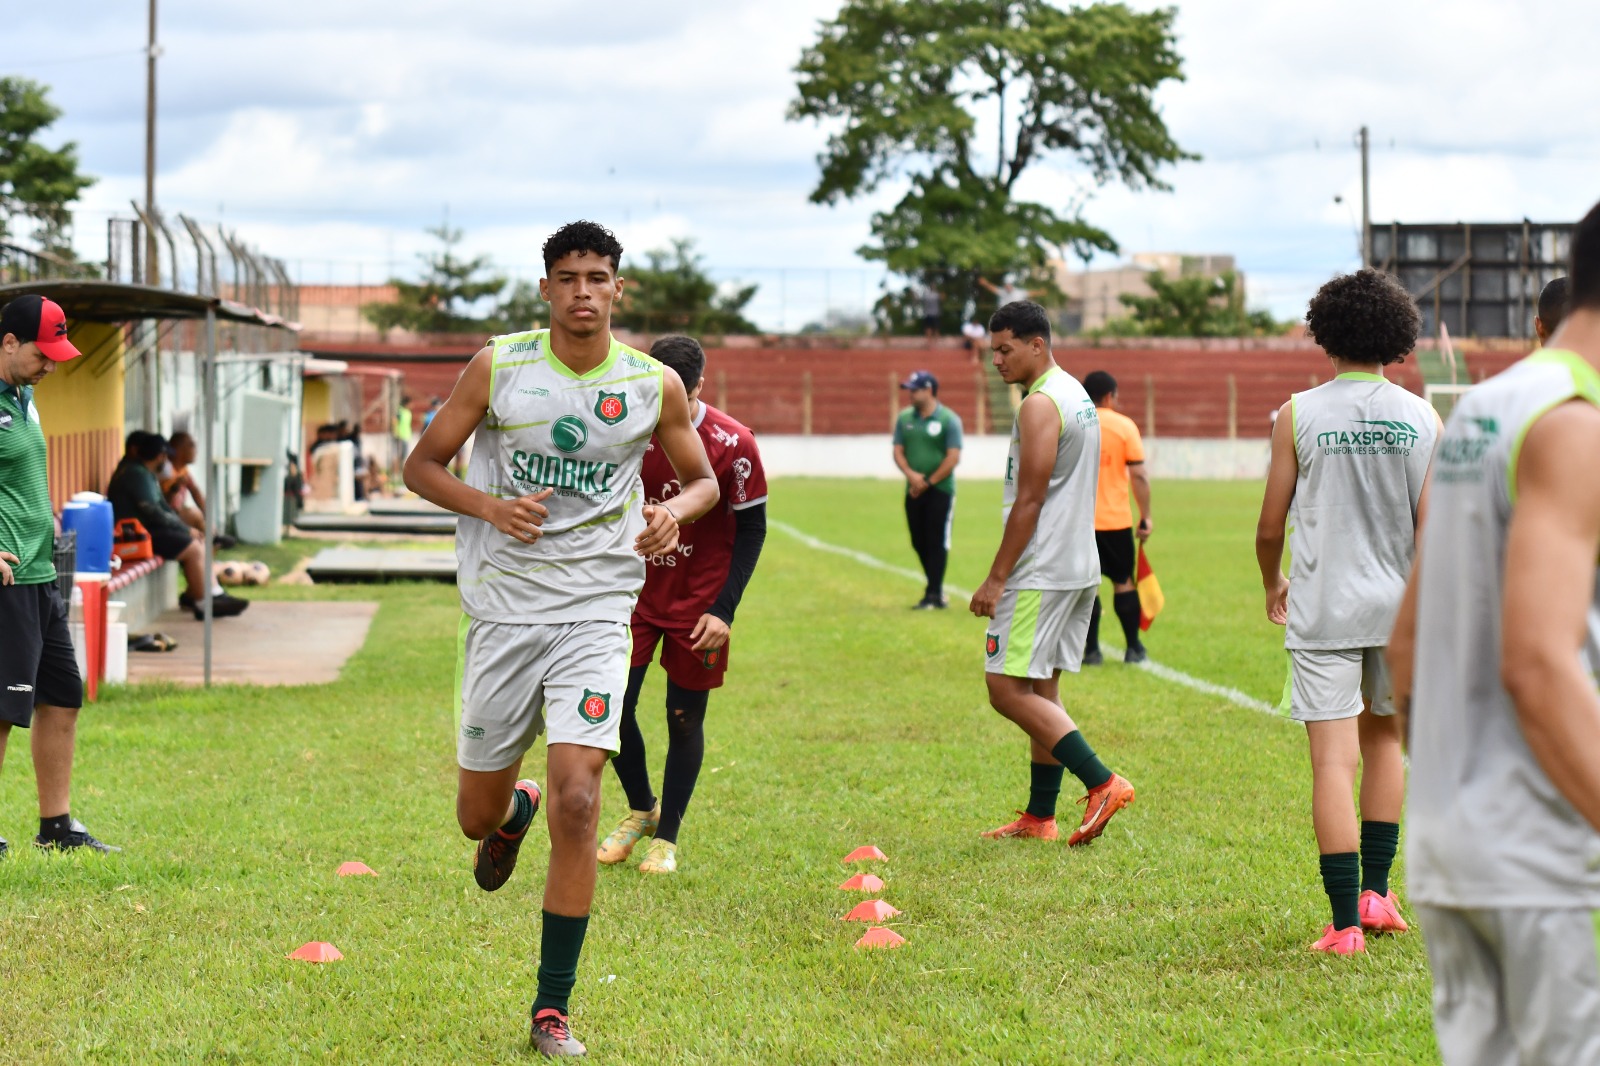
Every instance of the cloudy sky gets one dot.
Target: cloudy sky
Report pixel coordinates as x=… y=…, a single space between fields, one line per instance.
x=330 y=134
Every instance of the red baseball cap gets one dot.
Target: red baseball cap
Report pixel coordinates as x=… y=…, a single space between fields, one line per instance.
x=37 y=319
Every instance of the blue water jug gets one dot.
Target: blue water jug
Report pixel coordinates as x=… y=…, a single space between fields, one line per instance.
x=92 y=520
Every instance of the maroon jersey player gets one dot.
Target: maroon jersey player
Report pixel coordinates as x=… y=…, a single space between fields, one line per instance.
x=686 y=609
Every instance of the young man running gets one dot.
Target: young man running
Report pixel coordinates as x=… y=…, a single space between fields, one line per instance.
x=1502 y=622
x=1350 y=456
x=1045 y=576
x=687 y=607
x=551 y=547
x=1121 y=467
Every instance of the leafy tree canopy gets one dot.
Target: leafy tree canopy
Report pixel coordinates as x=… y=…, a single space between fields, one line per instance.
x=36 y=183
x=442 y=301
x=905 y=83
x=1192 y=306
x=672 y=293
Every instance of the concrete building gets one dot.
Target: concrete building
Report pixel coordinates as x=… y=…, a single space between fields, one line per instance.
x=1093 y=296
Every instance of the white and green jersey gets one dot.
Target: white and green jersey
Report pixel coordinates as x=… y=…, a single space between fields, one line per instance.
x=1362 y=444
x=583 y=436
x=1062 y=553
x=1487 y=828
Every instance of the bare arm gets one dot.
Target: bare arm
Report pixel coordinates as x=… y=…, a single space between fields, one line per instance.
x=1549 y=584
x=946 y=467
x=991 y=286
x=1401 y=652
x=428 y=475
x=679 y=441
x=915 y=481
x=1039 y=423
x=1271 y=528
x=1140 y=477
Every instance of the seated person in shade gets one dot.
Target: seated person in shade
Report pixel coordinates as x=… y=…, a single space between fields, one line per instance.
x=135 y=492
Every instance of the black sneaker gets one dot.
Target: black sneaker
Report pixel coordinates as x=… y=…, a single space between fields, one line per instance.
x=78 y=836
x=223 y=542
x=4 y=847
x=223 y=605
x=1093 y=658
x=496 y=856
x=551 y=1038
x=1135 y=655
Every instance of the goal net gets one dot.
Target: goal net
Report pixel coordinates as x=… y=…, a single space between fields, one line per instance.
x=1444 y=397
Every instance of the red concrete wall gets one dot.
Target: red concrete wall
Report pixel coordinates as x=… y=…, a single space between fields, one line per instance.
x=852 y=390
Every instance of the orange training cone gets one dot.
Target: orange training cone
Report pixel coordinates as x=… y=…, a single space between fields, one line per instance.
x=316 y=951
x=879 y=937
x=356 y=869
x=863 y=853
x=873 y=910
x=863 y=883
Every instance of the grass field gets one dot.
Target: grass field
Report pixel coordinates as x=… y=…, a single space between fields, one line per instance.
x=1180 y=936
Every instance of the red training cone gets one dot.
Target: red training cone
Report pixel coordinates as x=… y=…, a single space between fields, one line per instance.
x=873 y=910
x=863 y=853
x=316 y=951
x=863 y=883
x=879 y=937
x=354 y=869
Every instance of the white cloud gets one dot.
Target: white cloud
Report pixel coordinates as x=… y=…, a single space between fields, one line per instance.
x=333 y=133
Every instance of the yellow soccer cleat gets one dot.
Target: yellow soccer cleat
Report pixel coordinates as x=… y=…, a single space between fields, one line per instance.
x=619 y=845
x=660 y=858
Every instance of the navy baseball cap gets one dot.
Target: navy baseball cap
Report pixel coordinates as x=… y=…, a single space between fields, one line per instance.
x=920 y=379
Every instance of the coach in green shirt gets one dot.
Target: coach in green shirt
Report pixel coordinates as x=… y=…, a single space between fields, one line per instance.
x=38 y=670
x=927 y=447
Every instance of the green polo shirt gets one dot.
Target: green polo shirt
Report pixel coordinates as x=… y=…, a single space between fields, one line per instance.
x=926 y=440
x=27 y=522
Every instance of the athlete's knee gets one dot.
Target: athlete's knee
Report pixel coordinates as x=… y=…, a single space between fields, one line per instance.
x=478 y=818
x=576 y=806
x=686 y=711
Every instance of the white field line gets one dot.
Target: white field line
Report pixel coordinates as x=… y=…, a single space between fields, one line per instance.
x=1166 y=673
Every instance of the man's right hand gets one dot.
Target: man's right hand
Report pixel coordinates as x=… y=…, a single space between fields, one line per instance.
x=7 y=560
x=523 y=517
x=917 y=482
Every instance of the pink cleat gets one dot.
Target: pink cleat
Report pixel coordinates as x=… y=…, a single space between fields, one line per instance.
x=1381 y=914
x=1349 y=941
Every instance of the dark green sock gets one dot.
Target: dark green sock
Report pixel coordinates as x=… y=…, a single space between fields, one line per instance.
x=1073 y=752
x=560 y=944
x=1379 y=841
x=1341 y=880
x=521 y=814
x=1046 y=787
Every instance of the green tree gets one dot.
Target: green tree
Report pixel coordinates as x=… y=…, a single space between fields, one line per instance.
x=904 y=83
x=441 y=301
x=673 y=293
x=36 y=183
x=1192 y=306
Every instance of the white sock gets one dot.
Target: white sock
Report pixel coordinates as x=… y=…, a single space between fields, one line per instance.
x=216 y=589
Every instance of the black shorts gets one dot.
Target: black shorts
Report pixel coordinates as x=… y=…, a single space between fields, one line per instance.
x=930 y=322
x=36 y=660
x=1116 y=554
x=169 y=543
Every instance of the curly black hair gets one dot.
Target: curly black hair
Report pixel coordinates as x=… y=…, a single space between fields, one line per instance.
x=583 y=236
x=683 y=355
x=1366 y=317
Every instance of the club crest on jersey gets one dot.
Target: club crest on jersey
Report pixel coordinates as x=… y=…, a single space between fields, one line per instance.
x=596 y=706
x=611 y=407
x=991 y=644
x=712 y=657
x=569 y=433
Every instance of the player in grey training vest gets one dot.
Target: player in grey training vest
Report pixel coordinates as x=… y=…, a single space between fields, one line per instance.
x=1350 y=458
x=1045 y=576
x=1501 y=625
x=551 y=549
